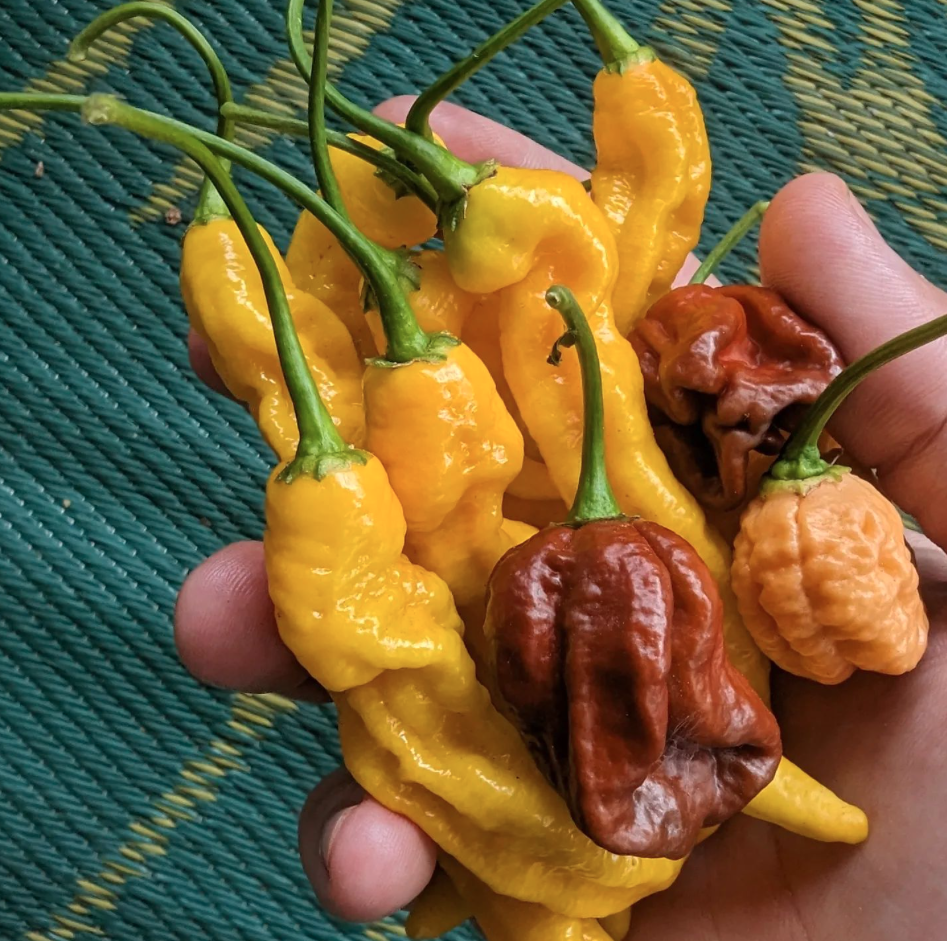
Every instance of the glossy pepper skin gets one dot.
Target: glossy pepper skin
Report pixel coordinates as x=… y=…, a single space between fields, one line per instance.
x=726 y=372
x=516 y=243
x=451 y=449
x=319 y=264
x=226 y=306
x=651 y=179
x=449 y=900
x=825 y=581
x=440 y=305
x=501 y=918
x=383 y=636
x=609 y=657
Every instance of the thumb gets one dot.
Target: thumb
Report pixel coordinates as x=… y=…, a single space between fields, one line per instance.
x=821 y=251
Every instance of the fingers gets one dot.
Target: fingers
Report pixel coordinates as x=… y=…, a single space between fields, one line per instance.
x=473 y=137
x=225 y=630
x=363 y=861
x=821 y=251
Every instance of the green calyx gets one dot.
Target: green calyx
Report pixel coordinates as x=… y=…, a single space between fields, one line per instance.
x=619 y=51
x=435 y=349
x=418 y=119
x=321 y=448
x=452 y=213
x=801 y=475
x=406 y=340
x=799 y=459
x=320 y=466
x=594 y=498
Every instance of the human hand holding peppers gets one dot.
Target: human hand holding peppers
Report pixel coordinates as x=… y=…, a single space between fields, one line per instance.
x=369 y=844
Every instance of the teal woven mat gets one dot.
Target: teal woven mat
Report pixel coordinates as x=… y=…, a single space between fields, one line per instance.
x=133 y=803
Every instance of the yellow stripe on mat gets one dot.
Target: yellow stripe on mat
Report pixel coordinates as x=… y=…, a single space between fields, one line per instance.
x=70 y=78
x=251 y=718
x=878 y=130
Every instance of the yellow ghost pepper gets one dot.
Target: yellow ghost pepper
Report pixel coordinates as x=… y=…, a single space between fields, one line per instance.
x=652 y=174
x=226 y=305
x=320 y=265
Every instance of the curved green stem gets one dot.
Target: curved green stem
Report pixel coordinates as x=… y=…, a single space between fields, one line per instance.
x=294 y=38
x=418 y=119
x=318 y=437
x=318 y=143
x=730 y=241
x=209 y=204
x=616 y=47
x=39 y=101
x=800 y=458
x=384 y=160
x=449 y=176
x=408 y=341
x=594 y=498
x=79 y=47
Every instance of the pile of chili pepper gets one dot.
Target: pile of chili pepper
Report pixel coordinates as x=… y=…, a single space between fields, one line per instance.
x=564 y=700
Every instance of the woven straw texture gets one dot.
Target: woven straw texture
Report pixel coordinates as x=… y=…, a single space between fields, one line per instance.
x=133 y=802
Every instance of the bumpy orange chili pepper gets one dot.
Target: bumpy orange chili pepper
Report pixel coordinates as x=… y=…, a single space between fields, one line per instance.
x=824 y=578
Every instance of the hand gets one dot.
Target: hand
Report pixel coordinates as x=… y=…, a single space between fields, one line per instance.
x=871 y=738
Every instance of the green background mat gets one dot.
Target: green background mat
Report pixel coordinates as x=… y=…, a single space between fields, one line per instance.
x=133 y=802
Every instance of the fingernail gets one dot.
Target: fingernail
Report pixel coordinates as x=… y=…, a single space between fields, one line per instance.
x=332 y=829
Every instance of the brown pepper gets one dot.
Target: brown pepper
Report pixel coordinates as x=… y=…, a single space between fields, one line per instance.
x=609 y=659
x=726 y=371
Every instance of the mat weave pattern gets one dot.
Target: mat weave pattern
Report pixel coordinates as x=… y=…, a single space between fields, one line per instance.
x=133 y=802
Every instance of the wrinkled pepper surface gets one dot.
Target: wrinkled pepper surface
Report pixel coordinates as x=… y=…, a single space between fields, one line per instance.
x=516 y=243
x=319 y=264
x=652 y=172
x=726 y=372
x=825 y=580
x=607 y=651
x=383 y=636
x=226 y=306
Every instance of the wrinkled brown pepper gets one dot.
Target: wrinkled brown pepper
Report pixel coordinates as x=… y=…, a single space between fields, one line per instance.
x=610 y=661
x=725 y=371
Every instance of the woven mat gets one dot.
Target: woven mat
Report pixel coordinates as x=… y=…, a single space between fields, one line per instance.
x=133 y=802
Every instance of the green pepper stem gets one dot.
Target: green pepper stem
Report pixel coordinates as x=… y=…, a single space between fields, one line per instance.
x=383 y=160
x=450 y=176
x=730 y=241
x=318 y=435
x=800 y=458
x=209 y=204
x=594 y=498
x=318 y=143
x=403 y=333
x=616 y=47
x=407 y=341
x=418 y=119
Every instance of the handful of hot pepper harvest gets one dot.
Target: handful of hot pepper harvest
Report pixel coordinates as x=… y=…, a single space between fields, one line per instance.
x=566 y=711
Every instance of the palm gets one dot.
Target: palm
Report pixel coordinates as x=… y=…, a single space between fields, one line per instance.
x=877 y=740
